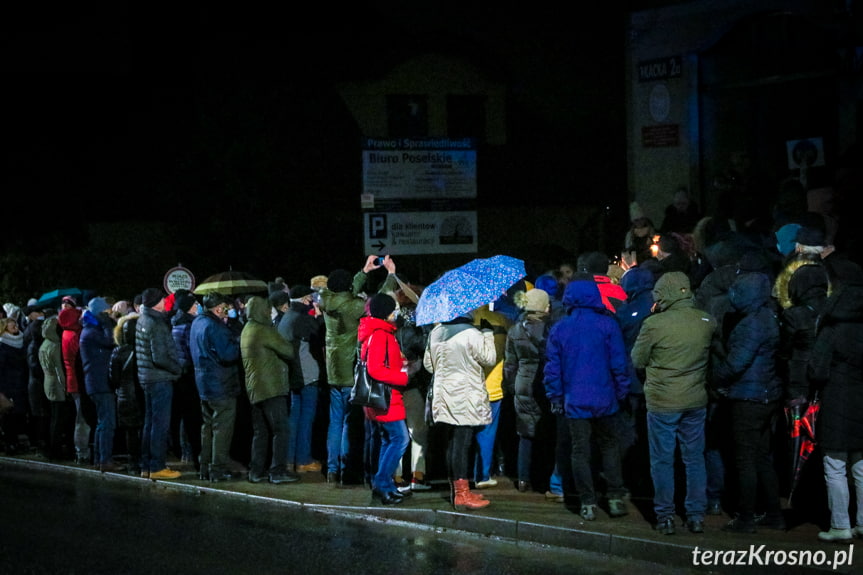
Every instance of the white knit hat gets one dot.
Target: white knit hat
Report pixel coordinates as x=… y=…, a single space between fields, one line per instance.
x=536 y=300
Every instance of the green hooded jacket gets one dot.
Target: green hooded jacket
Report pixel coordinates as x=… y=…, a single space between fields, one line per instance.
x=342 y=313
x=673 y=347
x=265 y=353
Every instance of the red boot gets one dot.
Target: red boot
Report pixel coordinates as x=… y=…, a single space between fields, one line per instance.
x=463 y=499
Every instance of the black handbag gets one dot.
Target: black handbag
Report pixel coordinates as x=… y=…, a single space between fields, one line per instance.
x=368 y=391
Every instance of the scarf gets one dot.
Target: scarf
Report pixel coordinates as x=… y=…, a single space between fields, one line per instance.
x=16 y=341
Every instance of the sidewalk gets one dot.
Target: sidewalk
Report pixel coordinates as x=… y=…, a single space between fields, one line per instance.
x=525 y=517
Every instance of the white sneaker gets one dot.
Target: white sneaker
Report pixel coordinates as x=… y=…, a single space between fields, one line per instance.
x=491 y=482
x=839 y=535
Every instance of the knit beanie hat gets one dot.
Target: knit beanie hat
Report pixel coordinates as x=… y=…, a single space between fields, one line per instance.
x=151 y=297
x=97 y=305
x=300 y=291
x=593 y=262
x=184 y=300
x=279 y=298
x=536 y=300
x=381 y=305
x=786 y=237
x=810 y=237
x=340 y=280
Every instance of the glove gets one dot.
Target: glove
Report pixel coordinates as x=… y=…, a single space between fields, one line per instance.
x=557 y=408
x=485 y=324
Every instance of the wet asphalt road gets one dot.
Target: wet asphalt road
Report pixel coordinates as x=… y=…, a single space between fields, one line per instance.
x=59 y=524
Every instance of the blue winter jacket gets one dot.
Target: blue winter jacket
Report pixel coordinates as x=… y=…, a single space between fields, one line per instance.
x=638 y=284
x=587 y=369
x=97 y=343
x=216 y=355
x=748 y=370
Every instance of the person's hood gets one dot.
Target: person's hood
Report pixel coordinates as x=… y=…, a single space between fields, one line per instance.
x=808 y=285
x=69 y=318
x=89 y=318
x=671 y=288
x=637 y=280
x=124 y=331
x=582 y=293
x=750 y=291
x=369 y=325
x=50 y=329
x=548 y=283
x=258 y=310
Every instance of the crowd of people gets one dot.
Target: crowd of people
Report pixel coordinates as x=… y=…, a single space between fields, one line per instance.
x=690 y=354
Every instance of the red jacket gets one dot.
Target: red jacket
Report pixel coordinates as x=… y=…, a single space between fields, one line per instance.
x=70 y=320
x=378 y=343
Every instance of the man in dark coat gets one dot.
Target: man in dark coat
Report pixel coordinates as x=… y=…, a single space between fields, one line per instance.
x=586 y=377
x=158 y=368
x=673 y=347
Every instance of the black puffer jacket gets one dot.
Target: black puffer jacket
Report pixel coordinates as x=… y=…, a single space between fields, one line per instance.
x=523 y=368
x=807 y=292
x=155 y=348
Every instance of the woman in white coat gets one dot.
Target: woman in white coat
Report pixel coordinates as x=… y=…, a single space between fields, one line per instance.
x=456 y=355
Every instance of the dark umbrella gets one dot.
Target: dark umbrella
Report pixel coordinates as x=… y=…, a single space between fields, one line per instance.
x=53 y=298
x=231 y=282
x=801 y=427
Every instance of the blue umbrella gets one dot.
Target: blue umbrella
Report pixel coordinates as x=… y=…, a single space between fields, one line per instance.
x=465 y=288
x=52 y=298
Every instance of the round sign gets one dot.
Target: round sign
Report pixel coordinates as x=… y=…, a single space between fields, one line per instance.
x=179 y=278
x=660 y=102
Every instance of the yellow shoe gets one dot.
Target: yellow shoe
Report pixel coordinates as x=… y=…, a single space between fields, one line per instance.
x=313 y=466
x=165 y=474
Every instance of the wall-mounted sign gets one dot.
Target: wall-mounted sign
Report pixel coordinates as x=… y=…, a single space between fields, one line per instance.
x=661 y=136
x=660 y=69
x=805 y=153
x=398 y=233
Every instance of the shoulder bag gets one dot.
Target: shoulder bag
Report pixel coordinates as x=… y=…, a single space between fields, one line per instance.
x=368 y=391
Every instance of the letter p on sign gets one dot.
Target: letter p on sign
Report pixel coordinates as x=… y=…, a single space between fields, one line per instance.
x=377 y=226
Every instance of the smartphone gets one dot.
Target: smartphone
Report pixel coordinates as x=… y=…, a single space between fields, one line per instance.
x=379 y=261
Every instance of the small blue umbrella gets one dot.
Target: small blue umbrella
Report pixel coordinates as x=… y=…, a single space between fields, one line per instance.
x=468 y=287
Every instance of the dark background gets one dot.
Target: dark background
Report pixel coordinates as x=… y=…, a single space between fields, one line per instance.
x=225 y=127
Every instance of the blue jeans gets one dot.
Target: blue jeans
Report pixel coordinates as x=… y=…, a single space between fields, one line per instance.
x=106 y=423
x=158 y=396
x=304 y=404
x=269 y=435
x=394 y=441
x=485 y=438
x=665 y=431
x=338 y=440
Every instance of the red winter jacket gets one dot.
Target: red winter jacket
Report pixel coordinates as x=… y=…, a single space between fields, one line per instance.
x=70 y=320
x=379 y=343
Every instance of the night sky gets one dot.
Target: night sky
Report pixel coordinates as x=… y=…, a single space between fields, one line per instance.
x=209 y=116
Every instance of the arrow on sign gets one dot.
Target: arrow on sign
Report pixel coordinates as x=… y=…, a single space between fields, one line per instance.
x=379 y=246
